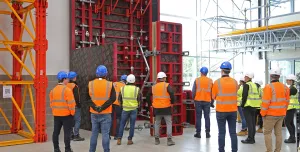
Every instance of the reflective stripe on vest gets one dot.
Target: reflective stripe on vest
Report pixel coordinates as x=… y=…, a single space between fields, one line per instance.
x=294 y=104
x=199 y=89
x=61 y=100
x=274 y=99
x=221 y=94
x=117 y=86
x=240 y=95
x=253 y=99
x=164 y=96
x=99 y=98
x=129 y=100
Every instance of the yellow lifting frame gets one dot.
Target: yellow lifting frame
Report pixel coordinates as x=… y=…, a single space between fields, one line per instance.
x=21 y=1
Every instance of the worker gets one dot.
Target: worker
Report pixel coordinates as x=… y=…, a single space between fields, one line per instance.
x=63 y=109
x=258 y=116
x=276 y=98
x=77 y=117
x=250 y=102
x=243 y=131
x=225 y=93
x=103 y=95
x=201 y=94
x=163 y=99
x=117 y=110
x=129 y=99
x=293 y=106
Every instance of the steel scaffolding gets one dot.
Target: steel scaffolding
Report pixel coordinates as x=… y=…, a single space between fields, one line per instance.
x=20 y=11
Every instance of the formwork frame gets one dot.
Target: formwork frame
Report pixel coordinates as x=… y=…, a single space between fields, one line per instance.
x=20 y=11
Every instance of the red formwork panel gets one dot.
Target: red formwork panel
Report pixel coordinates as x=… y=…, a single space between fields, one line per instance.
x=169 y=60
x=189 y=107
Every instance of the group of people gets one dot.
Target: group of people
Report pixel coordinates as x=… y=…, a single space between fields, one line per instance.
x=107 y=99
x=271 y=105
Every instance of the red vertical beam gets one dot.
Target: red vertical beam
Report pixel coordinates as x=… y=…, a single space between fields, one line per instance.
x=17 y=89
x=73 y=25
x=131 y=38
x=83 y=23
x=40 y=81
x=90 y=18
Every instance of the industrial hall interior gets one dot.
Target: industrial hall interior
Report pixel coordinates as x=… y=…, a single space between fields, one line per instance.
x=167 y=75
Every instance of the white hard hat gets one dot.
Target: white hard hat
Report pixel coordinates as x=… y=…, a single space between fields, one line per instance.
x=130 y=78
x=291 y=77
x=276 y=71
x=242 y=78
x=259 y=82
x=161 y=75
x=249 y=75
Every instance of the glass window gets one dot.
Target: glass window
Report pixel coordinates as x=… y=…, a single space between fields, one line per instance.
x=189 y=71
x=297 y=5
x=279 y=8
x=297 y=67
x=189 y=33
x=286 y=68
x=179 y=7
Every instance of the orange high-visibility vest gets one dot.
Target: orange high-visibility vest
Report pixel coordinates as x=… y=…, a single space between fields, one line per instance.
x=118 y=86
x=161 y=97
x=72 y=86
x=62 y=101
x=203 y=89
x=275 y=99
x=99 y=91
x=225 y=93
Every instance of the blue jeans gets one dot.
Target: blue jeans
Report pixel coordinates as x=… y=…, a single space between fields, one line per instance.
x=244 y=124
x=205 y=107
x=77 y=119
x=125 y=115
x=230 y=117
x=103 y=121
x=117 y=110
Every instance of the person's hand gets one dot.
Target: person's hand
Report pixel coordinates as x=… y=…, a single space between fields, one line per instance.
x=212 y=105
x=98 y=108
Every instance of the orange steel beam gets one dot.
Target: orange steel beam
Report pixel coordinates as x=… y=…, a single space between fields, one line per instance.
x=263 y=28
x=5 y=12
x=24 y=1
x=26 y=9
x=17 y=43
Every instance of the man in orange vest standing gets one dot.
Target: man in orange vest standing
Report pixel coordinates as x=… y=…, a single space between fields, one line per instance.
x=201 y=93
x=224 y=92
x=77 y=117
x=63 y=109
x=163 y=98
x=275 y=99
x=103 y=95
x=117 y=110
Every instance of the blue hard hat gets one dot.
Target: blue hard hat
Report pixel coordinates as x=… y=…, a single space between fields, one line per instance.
x=62 y=75
x=124 y=77
x=72 y=75
x=204 y=70
x=226 y=65
x=101 y=71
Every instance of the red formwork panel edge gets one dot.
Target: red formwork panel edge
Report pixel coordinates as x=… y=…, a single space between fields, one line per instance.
x=169 y=60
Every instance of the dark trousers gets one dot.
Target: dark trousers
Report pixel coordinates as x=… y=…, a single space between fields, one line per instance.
x=230 y=118
x=250 y=115
x=205 y=107
x=289 y=122
x=259 y=118
x=117 y=110
x=67 y=123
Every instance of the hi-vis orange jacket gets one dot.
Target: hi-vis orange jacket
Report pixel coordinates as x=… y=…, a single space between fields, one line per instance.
x=203 y=89
x=225 y=93
x=62 y=101
x=99 y=91
x=275 y=99
x=118 y=86
x=161 y=97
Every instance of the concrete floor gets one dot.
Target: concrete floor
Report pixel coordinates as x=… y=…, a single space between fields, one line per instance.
x=142 y=141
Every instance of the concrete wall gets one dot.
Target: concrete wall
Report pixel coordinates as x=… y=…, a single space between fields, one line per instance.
x=58 y=35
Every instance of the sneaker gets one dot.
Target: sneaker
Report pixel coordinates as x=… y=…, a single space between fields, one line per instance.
x=170 y=142
x=197 y=135
x=248 y=141
x=115 y=138
x=242 y=133
x=259 y=130
x=119 y=141
x=130 y=142
x=68 y=150
x=291 y=140
x=78 y=138
x=207 y=135
x=57 y=150
x=157 y=142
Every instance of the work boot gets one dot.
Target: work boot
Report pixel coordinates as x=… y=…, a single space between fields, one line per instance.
x=72 y=136
x=57 y=150
x=242 y=133
x=290 y=140
x=115 y=138
x=119 y=141
x=157 y=142
x=78 y=138
x=197 y=135
x=69 y=150
x=170 y=142
x=207 y=135
x=130 y=142
x=248 y=141
x=259 y=130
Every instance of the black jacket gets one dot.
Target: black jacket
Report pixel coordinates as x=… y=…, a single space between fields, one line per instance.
x=293 y=90
x=246 y=92
x=76 y=94
x=161 y=111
